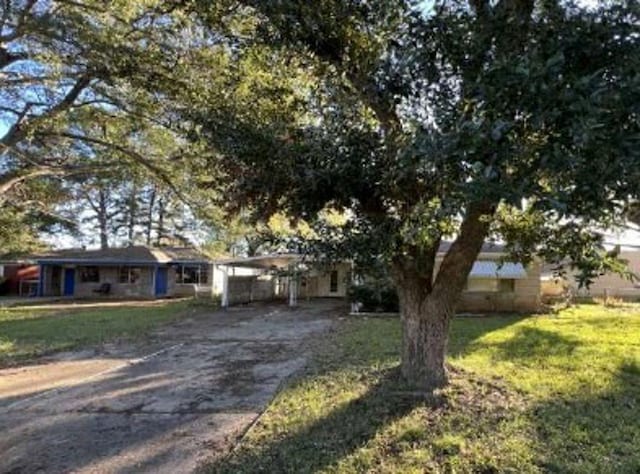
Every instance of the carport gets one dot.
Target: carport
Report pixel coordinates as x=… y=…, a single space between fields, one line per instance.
x=278 y=263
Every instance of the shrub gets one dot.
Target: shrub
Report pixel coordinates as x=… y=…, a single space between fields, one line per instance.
x=375 y=296
x=365 y=295
x=389 y=300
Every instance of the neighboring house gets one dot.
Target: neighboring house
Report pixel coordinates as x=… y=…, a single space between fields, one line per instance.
x=135 y=271
x=495 y=284
x=609 y=284
x=18 y=278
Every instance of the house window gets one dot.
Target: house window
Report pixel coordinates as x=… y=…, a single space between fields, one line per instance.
x=192 y=274
x=507 y=286
x=89 y=274
x=333 y=284
x=490 y=285
x=129 y=274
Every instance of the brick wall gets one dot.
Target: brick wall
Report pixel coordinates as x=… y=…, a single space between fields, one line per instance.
x=525 y=297
x=142 y=288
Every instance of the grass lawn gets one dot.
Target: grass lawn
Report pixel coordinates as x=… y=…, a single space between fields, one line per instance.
x=26 y=332
x=553 y=393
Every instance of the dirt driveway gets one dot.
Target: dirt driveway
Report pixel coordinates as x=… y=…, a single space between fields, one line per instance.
x=164 y=406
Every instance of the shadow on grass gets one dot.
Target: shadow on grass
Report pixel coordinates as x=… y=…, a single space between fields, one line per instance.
x=330 y=439
x=466 y=331
x=593 y=433
x=534 y=343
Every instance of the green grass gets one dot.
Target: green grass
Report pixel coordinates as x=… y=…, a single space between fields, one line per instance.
x=552 y=393
x=27 y=332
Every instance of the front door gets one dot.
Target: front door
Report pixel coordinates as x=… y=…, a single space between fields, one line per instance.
x=69 y=281
x=161 y=281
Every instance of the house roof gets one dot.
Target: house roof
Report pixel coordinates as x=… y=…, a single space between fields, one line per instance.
x=136 y=254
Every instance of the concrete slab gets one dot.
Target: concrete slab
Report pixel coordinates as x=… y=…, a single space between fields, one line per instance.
x=165 y=407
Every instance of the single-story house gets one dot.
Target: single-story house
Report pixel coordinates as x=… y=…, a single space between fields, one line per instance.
x=609 y=284
x=136 y=271
x=146 y=272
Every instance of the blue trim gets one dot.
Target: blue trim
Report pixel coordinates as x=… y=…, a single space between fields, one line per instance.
x=121 y=262
x=40 y=291
x=92 y=263
x=69 y=278
x=161 y=281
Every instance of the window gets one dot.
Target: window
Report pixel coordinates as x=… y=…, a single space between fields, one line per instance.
x=490 y=285
x=482 y=284
x=192 y=274
x=89 y=274
x=333 y=284
x=507 y=286
x=129 y=274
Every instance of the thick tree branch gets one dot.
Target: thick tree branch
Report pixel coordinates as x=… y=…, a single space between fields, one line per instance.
x=458 y=261
x=21 y=128
x=10 y=180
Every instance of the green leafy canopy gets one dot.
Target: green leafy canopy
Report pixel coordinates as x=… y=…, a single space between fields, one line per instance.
x=408 y=120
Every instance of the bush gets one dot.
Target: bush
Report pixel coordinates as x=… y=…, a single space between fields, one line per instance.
x=365 y=295
x=375 y=297
x=389 y=300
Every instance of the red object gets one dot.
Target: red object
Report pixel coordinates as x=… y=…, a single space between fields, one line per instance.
x=15 y=273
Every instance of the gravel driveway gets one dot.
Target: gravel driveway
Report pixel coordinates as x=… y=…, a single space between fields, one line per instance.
x=165 y=406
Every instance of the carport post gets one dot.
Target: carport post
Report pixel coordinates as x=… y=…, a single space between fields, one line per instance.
x=225 y=287
x=293 y=288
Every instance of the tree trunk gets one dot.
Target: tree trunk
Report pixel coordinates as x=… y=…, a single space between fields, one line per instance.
x=160 y=228
x=425 y=334
x=132 y=214
x=150 y=211
x=427 y=304
x=103 y=219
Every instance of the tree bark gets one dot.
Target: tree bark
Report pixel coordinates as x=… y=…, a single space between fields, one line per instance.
x=150 y=211
x=160 y=227
x=103 y=219
x=425 y=325
x=132 y=214
x=426 y=309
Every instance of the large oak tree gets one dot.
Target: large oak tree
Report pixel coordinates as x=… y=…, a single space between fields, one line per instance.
x=516 y=119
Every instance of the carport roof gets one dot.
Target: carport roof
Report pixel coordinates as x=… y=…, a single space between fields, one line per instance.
x=266 y=262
